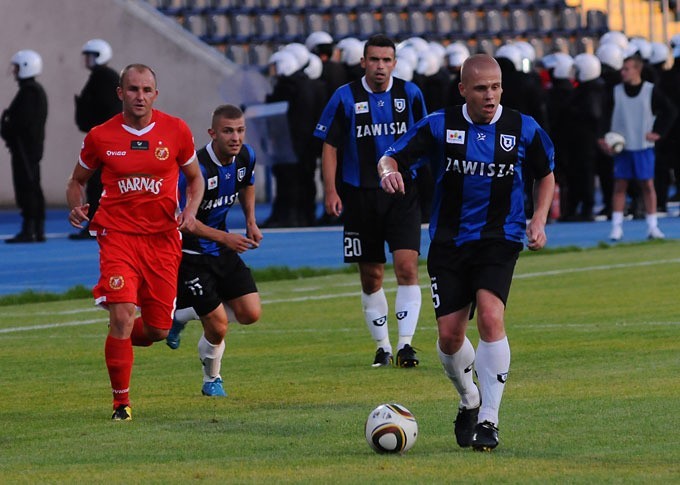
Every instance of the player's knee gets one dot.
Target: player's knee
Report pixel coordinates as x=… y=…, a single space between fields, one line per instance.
x=248 y=316
x=155 y=334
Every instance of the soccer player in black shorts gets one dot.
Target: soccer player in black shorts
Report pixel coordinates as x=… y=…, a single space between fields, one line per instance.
x=360 y=121
x=478 y=153
x=214 y=284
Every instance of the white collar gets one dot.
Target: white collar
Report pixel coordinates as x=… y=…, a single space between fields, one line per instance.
x=367 y=88
x=495 y=118
x=141 y=132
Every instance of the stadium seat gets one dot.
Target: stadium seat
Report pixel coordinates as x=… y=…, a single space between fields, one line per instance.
x=521 y=21
x=341 y=25
x=393 y=24
x=417 y=23
x=266 y=26
x=494 y=21
x=366 y=25
x=220 y=27
x=597 y=22
x=315 y=21
x=242 y=27
x=444 y=23
x=291 y=27
x=570 y=20
x=197 y=24
x=237 y=53
x=468 y=22
x=545 y=21
x=259 y=54
x=486 y=46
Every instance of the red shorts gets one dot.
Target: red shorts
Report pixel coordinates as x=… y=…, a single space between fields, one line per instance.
x=140 y=269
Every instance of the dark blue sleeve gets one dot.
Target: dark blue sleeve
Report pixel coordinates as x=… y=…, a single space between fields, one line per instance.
x=327 y=129
x=540 y=151
x=421 y=142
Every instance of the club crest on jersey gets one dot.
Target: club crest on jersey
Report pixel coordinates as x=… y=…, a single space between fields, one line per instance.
x=212 y=182
x=361 y=107
x=456 y=137
x=507 y=142
x=399 y=105
x=241 y=173
x=162 y=153
x=116 y=282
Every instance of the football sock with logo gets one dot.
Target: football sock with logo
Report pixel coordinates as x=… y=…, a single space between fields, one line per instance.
x=375 y=313
x=119 y=357
x=407 y=310
x=138 y=336
x=458 y=368
x=492 y=365
x=211 y=357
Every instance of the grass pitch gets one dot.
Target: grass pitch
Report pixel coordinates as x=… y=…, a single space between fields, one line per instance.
x=593 y=394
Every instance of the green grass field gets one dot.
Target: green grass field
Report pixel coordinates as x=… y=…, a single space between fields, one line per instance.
x=593 y=394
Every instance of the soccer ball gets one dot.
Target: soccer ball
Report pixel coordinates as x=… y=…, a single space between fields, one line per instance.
x=615 y=141
x=391 y=428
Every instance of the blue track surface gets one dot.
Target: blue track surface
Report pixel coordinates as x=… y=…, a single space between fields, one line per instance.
x=60 y=263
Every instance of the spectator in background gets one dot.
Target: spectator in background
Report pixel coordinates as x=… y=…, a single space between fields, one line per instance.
x=670 y=84
x=560 y=69
x=23 y=128
x=333 y=74
x=456 y=54
x=585 y=125
x=664 y=147
x=643 y=115
x=351 y=52
x=96 y=103
x=292 y=85
x=610 y=54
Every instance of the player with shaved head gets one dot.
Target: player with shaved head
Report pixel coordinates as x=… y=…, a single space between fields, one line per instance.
x=478 y=153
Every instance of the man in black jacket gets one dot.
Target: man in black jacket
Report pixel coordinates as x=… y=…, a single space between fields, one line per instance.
x=23 y=128
x=96 y=103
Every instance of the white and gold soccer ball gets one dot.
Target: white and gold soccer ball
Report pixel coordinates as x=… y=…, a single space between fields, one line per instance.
x=391 y=428
x=615 y=141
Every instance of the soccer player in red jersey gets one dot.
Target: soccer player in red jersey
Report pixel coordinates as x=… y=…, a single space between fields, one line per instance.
x=140 y=153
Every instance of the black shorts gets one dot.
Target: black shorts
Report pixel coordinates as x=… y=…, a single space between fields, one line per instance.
x=205 y=281
x=456 y=273
x=373 y=217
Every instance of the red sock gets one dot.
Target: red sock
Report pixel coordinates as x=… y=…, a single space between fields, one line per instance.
x=119 y=358
x=138 y=335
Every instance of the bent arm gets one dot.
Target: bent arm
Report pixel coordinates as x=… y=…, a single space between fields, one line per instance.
x=246 y=197
x=543 y=195
x=75 y=190
x=391 y=180
x=194 y=195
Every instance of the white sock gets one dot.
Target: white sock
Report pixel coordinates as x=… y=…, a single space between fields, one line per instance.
x=652 y=221
x=492 y=365
x=458 y=368
x=617 y=218
x=407 y=309
x=375 y=314
x=183 y=315
x=211 y=357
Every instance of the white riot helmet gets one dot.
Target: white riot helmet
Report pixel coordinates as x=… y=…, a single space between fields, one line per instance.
x=610 y=55
x=317 y=38
x=438 y=49
x=403 y=70
x=428 y=64
x=351 y=51
x=528 y=54
x=587 y=67
x=659 y=53
x=284 y=62
x=314 y=68
x=420 y=44
x=638 y=45
x=675 y=44
x=407 y=53
x=561 y=65
x=616 y=38
x=300 y=52
x=511 y=52
x=100 y=48
x=29 y=63
x=457 y=53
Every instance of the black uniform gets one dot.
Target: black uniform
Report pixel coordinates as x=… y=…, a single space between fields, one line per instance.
x=23 y=129
x=557 y=101
x=96 y=103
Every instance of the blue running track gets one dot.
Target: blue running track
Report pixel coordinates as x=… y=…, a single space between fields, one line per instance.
x=60 y=263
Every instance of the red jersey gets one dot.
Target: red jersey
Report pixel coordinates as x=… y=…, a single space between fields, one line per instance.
x=139 y=171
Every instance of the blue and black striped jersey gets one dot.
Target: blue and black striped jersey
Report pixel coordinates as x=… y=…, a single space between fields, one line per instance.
x=362 y=124
x=222 y=185
x=479 y=171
